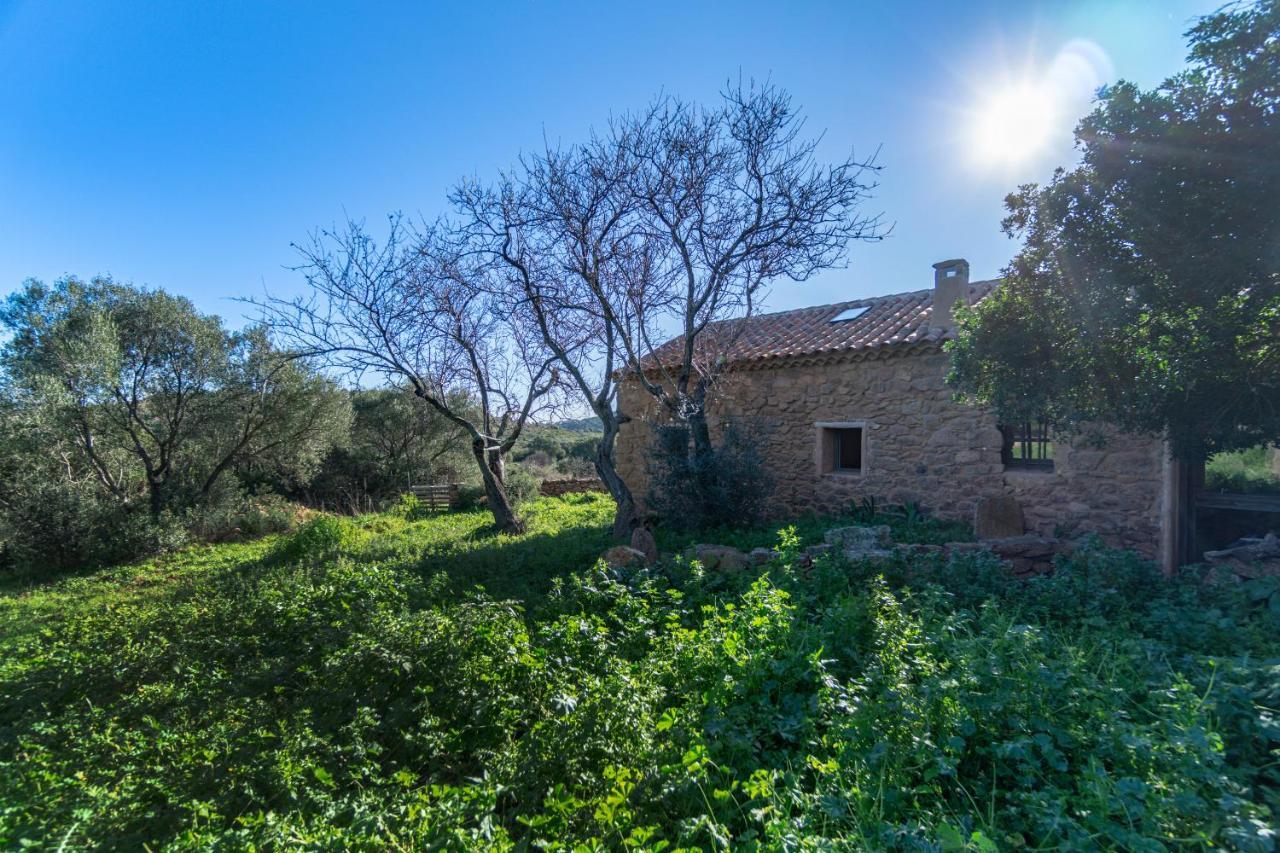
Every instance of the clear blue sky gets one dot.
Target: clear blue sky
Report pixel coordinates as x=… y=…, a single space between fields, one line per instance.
x=185 y=145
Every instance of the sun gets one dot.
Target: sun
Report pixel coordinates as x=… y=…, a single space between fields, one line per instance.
x=1013 y=124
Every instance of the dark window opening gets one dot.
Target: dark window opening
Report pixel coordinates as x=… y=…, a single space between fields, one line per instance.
x=1027 y=445
x=848 y=449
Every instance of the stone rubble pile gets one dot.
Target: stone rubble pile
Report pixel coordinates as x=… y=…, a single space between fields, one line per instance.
x=1026 y=554
x=1248 y=558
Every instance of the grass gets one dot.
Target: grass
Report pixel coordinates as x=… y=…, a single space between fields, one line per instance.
x=384 y=683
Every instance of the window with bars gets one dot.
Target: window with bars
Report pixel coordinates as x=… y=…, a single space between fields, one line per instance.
x=1027 y=445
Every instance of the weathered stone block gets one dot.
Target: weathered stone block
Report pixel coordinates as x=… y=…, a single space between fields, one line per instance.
x=719 y=558
x=621 y=556
x=642 y=540
x=998 y=518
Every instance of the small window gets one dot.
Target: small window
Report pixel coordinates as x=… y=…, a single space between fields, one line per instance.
x=840 y=448
x=848 y=449
x=1026 y=446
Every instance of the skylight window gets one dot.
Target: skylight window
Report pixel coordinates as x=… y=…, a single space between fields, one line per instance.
x=850 y=314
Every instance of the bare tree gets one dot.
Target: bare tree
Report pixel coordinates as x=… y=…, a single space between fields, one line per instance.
x=414 y=311
x=730 y=200
x=576 y=266
x=674 y=221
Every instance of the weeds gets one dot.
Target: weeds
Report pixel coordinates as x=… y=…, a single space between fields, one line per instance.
x=395 y=683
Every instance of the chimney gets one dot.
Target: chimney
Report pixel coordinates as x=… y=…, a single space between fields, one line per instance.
x=950 y=286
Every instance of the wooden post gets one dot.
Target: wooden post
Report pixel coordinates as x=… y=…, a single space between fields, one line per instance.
x=1183 y=481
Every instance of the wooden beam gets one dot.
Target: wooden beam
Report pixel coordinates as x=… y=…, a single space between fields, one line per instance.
x=1243 y=503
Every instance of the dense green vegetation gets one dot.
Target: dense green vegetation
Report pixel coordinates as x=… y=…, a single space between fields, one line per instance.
x=1247 y=471
x=386 y=682
x=1146 y=292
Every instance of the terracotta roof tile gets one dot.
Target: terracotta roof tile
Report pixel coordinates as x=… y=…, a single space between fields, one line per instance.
x=899 y=319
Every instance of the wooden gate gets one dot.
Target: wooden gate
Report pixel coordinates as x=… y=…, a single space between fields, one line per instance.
x=437 y=497
x=1213 y=519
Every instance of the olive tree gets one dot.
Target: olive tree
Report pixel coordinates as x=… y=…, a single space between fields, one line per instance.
x=155 y=401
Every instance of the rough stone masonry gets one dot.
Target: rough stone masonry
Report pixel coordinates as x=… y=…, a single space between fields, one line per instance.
x=858 y=408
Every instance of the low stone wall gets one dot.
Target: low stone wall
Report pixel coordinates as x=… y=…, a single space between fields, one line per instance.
x=557 y=488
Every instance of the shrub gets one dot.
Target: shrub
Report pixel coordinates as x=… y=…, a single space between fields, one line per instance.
x=321 y=540
x=730 y=487
x=230 y=513
x=55 y=526
x=522 y=484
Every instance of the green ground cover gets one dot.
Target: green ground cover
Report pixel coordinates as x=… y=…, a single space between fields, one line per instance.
x=387 y=683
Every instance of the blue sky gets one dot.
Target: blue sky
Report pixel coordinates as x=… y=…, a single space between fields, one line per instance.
x=185 y=145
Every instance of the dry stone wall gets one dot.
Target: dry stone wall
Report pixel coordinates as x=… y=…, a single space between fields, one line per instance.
x=919 y=445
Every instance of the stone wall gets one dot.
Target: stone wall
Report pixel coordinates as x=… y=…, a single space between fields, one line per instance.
x=919 y=445
x=556 y=488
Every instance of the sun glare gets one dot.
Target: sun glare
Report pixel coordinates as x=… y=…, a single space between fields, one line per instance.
x=1021 y=116
x=1014 y=124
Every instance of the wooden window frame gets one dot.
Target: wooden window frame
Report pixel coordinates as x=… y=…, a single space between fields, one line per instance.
x=827 y=453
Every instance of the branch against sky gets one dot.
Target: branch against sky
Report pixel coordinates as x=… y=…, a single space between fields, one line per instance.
x=674 y=220
x=413 y=310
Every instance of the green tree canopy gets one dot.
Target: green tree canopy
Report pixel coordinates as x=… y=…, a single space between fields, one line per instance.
x=1147 y=291
x=152 y=401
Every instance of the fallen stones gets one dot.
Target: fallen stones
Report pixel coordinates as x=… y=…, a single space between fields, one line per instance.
x=860 y=543
x=760 y=556
x=813 y=552
x=1026 y=555
x=998 y=518
x=1248 y=558
x=624 y=557
x=718 y=558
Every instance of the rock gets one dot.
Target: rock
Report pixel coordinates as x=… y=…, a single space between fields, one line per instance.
x=1245 y=550
x=1248 y=558
x=859 y=543
x=719 y=558
x=1029 y=554
x=642 y=540
x=1027 y=545
x=760 y=556
x=813 y=552
x=621 y=556
x=917 y=550
x=998 y=518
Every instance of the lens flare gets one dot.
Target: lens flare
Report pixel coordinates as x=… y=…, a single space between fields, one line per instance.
x=1014 y=124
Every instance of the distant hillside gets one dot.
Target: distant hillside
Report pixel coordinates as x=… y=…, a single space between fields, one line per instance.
x=591 y=424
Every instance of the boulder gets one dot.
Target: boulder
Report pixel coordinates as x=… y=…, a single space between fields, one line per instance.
x=813 y=552
x=760 y=556
x=621 y=556
x=642 y=540
x=998 y=518
x=719 y=558
x=860 y=543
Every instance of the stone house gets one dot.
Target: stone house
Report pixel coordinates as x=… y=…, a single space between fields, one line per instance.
x=849 y=401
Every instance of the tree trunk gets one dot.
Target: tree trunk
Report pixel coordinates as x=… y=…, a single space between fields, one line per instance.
x=702 y=448
x=499 y=504
x=626 y=513
x=156 y=496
